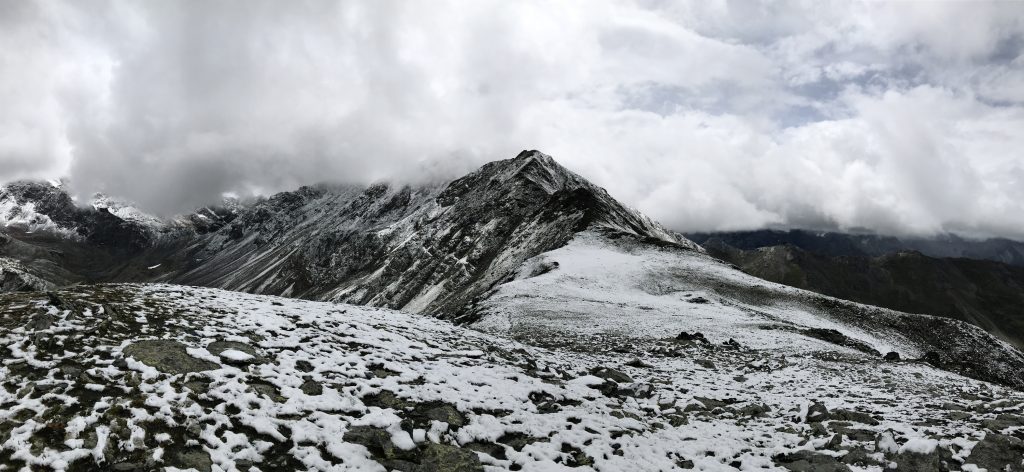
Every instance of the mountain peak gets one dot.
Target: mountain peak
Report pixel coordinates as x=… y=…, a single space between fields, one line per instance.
x=432 y=249
x=530 y=172
x=542 y=170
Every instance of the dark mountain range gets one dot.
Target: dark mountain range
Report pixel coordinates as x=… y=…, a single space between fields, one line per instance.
x=844 y=244
x=982 y=292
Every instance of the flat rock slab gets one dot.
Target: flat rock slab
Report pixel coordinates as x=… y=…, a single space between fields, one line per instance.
x=168 y=356
x=218 y=348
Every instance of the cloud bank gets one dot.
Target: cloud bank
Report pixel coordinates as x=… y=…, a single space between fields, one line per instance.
x=901 y=118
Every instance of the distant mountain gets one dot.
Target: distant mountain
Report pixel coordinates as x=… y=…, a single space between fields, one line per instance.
x=842 y=244
x=982 y=292
x=59 y=241
x=32 y=207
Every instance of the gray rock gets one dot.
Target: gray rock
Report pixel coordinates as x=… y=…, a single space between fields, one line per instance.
x=860 y=457
x=608 y=373
x=192 y=458
x=218 y=347
x=310 y=387
x=998 y=452
x=445 y=414
x=919 y=462
x=817 y=413
x=810 y=461
x=376 y=440
x=854 y=416
x=448 y=458
x=167 y=356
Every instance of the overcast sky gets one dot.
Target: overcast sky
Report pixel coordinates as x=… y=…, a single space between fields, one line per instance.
x=896 y=117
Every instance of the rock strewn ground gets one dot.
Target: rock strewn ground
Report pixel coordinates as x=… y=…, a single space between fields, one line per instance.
x=134 y=377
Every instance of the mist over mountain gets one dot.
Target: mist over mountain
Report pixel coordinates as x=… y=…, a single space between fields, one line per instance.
x=707 y=117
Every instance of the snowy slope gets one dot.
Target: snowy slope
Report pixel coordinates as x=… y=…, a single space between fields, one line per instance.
x=608 y=285
x=132 y=377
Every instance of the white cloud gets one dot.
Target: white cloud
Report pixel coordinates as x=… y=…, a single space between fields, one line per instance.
x=707 y=115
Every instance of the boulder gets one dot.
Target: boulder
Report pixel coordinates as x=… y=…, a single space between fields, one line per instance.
x=817 y=413
x=608 y=373
x=448 y=458
x=692 y=338
x=998 y=452
x=810 y=461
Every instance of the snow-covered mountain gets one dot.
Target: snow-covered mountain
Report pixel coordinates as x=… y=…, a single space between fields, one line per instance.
x=586 y=336
x=427 y=250
x=46 y=208
x=455 y=250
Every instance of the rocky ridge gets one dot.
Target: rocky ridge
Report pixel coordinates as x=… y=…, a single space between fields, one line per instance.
x=427 y=250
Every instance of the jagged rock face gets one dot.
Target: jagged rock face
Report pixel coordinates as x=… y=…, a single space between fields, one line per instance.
x=15 y=278
x=61 y=243
x=210 y=219
x=431 y=249
x=46 y=199
x=96 y=226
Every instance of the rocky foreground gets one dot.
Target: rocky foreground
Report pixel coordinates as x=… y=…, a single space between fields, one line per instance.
x=162 y=377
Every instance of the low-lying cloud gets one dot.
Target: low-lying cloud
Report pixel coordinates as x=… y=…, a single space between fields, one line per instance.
x=893 y=117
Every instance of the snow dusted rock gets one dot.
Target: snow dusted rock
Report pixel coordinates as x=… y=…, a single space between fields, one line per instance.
x=429 y=250
x=37 y=206
x=166 y=356
x=14 y=277
x=998 y=452
x=133 y=377
x=31 y=207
